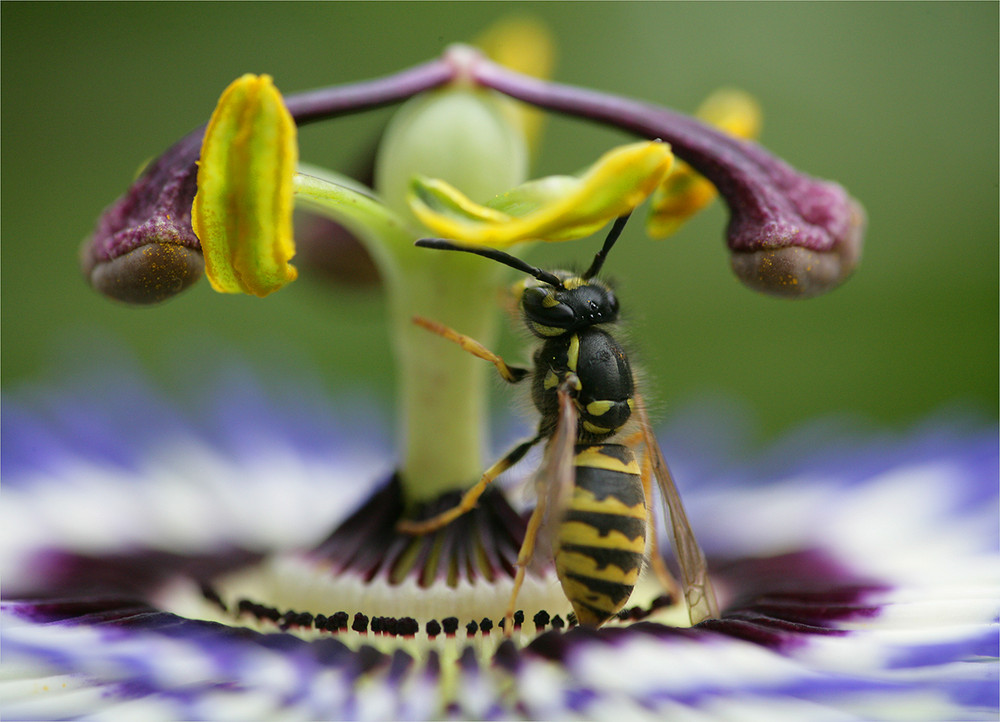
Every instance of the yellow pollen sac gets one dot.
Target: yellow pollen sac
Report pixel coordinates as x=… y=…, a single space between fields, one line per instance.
x=242 y=213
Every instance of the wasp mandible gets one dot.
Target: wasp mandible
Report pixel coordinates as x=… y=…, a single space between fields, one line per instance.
x=594 y=501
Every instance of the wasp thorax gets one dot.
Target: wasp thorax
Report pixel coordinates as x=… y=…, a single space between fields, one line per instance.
x=552 y=311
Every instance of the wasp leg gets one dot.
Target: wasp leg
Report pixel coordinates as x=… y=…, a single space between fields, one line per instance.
x=468 y=502
x=511 y=374
x=523 y=560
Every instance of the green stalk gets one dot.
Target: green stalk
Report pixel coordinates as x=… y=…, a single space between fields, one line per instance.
x=442 y=401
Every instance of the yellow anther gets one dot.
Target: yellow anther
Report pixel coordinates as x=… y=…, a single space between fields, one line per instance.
x=557 y=208
x=242 y=213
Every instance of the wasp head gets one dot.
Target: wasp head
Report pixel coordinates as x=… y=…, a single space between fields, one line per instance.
x=576 y=303
x=554 y=302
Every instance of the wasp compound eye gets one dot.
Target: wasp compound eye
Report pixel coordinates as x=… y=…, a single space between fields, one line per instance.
x=543 y=306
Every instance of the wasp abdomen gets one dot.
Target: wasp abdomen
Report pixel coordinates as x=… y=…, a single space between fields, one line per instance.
x=602 y=537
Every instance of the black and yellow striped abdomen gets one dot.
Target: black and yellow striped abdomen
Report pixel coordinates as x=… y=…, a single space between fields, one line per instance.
x=602 y=537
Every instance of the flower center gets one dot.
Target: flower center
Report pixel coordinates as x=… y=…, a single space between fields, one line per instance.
x=370 y=585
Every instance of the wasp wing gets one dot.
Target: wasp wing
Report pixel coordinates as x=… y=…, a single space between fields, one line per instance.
x=555 y=478
x=698 y=592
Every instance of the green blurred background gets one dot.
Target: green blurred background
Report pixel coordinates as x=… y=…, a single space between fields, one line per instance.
x=896 y=101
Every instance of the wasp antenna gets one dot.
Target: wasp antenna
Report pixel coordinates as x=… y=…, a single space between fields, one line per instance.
x=616 y=230
x=492 y=253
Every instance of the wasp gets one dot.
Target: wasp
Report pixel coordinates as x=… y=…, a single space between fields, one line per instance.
x=595 y=494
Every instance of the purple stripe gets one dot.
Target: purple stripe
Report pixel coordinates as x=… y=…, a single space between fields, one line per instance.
x=981 y=648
